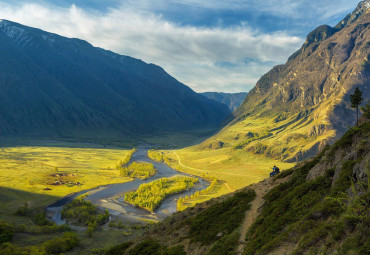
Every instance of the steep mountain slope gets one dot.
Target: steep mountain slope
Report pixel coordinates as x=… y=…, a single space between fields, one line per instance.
x=321 y=206
x=52 y=85
x=297 y=108
x=232 y=100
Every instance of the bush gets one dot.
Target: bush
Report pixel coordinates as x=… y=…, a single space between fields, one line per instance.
x=84 y=212
x=62 y=244
x=119 y=249
x=147 y=247
x=6 y=232
x=23 y=210
x=41 y=220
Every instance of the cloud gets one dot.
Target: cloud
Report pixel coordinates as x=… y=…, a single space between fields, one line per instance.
x=189 y=53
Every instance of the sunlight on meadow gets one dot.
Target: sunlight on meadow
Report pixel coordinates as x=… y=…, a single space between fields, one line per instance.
x=57 y=171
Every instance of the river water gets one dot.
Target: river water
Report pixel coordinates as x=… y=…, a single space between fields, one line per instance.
x=111 y=196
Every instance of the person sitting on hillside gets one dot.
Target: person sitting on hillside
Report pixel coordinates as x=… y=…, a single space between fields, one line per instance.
x=275 y=171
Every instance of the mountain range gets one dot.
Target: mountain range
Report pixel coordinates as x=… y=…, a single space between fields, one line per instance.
x=299 y=107
x=60 y=87
x=232 y=100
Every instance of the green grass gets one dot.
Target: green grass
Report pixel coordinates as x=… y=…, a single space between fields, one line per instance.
x=25 y=173
x=150 y=195
x=146 y=247
x=234 y=169
x=223 y=217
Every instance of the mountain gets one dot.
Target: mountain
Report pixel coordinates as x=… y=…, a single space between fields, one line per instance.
x=232 y=100
x=321 y=206
x=56 y=86
x=299 y=107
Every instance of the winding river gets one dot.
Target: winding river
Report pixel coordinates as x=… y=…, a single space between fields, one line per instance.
x=111 y=196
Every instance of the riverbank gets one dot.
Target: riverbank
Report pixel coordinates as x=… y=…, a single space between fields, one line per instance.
x=111 y=197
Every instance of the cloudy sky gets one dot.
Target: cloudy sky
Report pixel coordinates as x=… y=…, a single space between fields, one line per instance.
x=210 y=45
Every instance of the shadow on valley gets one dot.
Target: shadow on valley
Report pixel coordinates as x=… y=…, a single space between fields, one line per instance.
x=13 y=199
x=165 y=140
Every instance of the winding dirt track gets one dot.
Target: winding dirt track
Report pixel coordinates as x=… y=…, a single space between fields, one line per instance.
x=200 y=170
x=251 y=215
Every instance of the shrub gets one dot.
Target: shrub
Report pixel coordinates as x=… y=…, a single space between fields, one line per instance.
x=23 y=210
x=85 y=213
x=119 y=249
x=6 y=232
x=62 y=244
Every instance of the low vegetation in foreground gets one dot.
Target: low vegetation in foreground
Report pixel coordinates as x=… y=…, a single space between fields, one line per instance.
x=60 y=240
x=323 y=215
x=215 y=224
x=150 y=195
x=139 y=170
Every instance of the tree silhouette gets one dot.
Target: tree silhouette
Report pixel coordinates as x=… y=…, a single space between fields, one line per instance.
x=356 y=99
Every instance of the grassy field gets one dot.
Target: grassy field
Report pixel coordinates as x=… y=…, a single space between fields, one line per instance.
x=27 y=171
x=234 y=169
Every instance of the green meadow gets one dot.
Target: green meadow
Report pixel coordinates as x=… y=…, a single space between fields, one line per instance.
x=39 y=175
x=234 y=169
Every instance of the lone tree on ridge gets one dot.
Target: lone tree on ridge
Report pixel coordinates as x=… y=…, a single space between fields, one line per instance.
x=356 y=99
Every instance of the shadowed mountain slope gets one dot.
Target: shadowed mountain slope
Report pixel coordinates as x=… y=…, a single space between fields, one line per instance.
x=52 y=85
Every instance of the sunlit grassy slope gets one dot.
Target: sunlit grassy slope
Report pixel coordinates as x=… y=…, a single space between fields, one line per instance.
x=233 y=168
x=32 y=169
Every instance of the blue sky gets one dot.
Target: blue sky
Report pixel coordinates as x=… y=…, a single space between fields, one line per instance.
x=210 y=45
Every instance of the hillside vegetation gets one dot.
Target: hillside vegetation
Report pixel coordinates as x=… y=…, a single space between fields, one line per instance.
x=321 y=206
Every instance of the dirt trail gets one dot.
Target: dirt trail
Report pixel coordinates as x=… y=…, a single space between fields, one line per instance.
x=261 y=189
x=200 y=170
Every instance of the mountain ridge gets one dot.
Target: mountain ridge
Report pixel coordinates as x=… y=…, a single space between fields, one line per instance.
x=65 y=87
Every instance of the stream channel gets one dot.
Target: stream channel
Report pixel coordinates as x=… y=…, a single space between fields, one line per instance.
x=111 y=196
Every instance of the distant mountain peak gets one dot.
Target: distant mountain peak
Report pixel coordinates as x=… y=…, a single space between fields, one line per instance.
x=361 y=8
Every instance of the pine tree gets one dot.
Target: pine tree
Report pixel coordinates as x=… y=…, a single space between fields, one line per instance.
x=356 y=99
